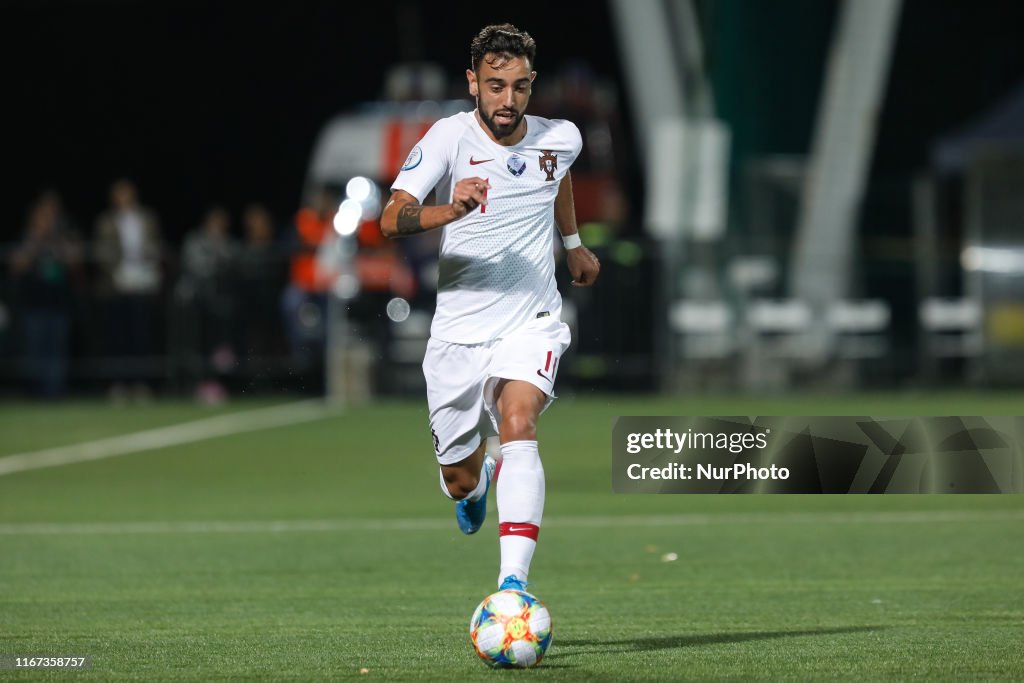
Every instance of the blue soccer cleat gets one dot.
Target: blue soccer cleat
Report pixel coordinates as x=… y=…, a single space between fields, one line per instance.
x=512 y=582
x=471 y=514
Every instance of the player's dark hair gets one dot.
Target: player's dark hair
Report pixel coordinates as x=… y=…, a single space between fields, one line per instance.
x=503 y=40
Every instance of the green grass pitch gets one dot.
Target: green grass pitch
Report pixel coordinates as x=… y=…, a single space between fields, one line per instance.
x=324 y=549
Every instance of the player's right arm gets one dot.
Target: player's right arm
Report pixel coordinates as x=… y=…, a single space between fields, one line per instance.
x=404 y=215
x=431 y=161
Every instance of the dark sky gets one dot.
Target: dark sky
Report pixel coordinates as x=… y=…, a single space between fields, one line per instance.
x=221 y=101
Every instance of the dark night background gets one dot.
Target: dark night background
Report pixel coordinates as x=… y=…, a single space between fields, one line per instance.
x=206 y=102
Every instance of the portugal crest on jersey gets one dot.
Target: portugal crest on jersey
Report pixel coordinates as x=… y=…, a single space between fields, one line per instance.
x=548 y=163
x=516 y=165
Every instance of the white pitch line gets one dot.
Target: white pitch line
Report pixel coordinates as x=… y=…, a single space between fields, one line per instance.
x=173 y=435
x=445 y=523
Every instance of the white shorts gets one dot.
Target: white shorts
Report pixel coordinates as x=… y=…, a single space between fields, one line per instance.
x=461 y=379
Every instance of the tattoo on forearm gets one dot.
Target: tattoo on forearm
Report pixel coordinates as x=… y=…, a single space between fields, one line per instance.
x=408 y=222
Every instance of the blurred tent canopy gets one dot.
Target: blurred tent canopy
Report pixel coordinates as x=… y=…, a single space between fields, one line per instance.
x=1003 y=124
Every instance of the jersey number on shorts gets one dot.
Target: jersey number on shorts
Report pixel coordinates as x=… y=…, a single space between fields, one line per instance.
x=548 y=367
x=437 y=441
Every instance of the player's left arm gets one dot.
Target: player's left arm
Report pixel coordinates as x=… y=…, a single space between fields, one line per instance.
x=583 y=265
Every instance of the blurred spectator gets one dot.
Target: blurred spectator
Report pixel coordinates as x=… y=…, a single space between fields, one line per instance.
x=383 y=272
x=260 y=279
x=205 y=291
x=128 y=253
x=44 y=268
x=304 y=303
x=579 y=95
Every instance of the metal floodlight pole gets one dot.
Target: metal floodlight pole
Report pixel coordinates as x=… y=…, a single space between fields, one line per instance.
x=335 y=342
x=337 y=256
x=656 y=90
x=841 y=150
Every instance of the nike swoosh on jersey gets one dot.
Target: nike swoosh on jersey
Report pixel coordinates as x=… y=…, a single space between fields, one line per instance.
x=474 y=162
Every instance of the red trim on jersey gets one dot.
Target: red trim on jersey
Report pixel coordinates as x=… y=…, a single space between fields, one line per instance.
x=392 y=157
x=518 y=529
x=399 y=138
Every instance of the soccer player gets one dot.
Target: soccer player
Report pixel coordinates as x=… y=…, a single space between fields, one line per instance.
x=502 y=186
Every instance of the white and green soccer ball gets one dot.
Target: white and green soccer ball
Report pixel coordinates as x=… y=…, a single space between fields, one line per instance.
x=511 y=629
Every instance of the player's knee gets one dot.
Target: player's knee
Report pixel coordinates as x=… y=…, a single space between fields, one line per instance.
x=518 y=425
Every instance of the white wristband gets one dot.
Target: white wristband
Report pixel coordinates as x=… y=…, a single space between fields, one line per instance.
x=571 y=241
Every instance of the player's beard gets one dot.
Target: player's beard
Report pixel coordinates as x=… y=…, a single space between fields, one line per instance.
x=499 y=130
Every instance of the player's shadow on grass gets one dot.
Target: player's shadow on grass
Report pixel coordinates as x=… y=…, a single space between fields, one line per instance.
x=673 y=642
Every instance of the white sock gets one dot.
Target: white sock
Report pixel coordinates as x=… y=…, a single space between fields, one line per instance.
x=444 y=486
x=520 y=506
x=481 y=484
x=474 y=495
x=494 y=448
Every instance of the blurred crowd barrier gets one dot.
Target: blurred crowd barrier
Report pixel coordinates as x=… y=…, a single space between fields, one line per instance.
x=273 y=311
x=262 y=306
x=117 y=309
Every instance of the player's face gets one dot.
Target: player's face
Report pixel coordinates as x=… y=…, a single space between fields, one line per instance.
x=502 y=90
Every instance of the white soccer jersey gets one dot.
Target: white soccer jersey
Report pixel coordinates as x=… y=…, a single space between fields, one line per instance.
x=497 y=268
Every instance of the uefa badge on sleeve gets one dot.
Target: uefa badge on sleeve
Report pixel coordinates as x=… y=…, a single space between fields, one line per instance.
x=414 y=159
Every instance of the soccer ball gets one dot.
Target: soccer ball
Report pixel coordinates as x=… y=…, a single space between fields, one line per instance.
x=510 y=629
